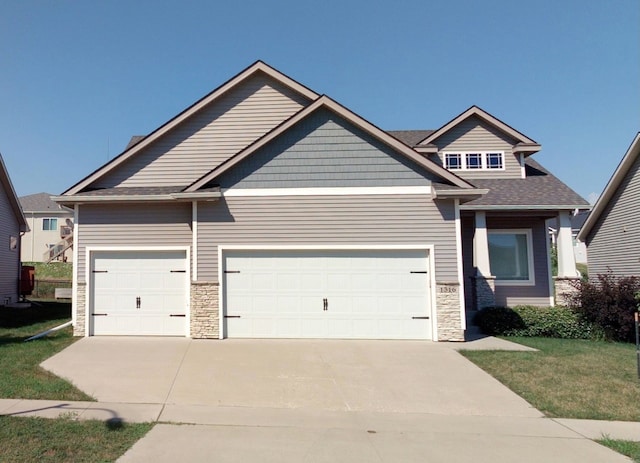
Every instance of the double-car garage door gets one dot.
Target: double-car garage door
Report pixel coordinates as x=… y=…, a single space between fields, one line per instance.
x=347 y=294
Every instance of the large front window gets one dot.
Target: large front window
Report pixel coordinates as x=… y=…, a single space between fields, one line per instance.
x=511 y=256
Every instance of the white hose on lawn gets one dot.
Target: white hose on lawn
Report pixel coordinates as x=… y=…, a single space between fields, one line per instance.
x=44 y=333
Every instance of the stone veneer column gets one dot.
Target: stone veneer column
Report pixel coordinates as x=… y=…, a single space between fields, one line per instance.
x=565 y=288
x=448 y=311
x=81 y=309
x=484 y=291
x=205 y=322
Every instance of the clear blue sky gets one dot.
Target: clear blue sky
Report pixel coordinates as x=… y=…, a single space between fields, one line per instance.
x=78 y=78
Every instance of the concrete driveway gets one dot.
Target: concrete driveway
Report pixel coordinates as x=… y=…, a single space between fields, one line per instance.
x=317 y=401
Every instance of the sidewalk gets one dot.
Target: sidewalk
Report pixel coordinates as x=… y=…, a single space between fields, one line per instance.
x=247 y=416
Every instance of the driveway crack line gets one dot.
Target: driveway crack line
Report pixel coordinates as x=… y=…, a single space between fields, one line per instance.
x=175 y=378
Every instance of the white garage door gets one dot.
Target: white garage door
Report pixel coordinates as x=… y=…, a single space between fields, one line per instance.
x=138 y=293
x=351 y=294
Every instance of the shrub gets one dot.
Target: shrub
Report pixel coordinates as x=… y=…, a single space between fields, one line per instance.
x=610 y=303
x=551 y=322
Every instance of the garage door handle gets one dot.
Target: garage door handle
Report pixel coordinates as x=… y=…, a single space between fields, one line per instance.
x=137 y=302
x=325 y=304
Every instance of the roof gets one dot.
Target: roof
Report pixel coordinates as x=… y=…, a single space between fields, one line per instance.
x=135 y=139
x=140 y=194
x=40 y=202
x=539 y=190
x=7 y=186
x=410 y=137
x=132 y=149
x=578 y=220
x=614 y=182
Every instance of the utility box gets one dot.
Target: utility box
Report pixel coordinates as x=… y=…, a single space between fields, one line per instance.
x=27 y=279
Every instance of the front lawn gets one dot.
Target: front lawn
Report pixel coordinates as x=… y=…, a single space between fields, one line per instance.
x=65 y=440
x=21 y=375
x=625 y=447
x=569 y=378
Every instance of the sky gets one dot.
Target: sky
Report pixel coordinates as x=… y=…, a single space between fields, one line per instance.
x=79 y=78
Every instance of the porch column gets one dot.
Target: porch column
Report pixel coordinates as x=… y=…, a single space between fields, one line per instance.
x=483 y=281
x=567 y=277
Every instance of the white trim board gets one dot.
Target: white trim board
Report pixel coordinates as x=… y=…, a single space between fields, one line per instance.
x=329 y=191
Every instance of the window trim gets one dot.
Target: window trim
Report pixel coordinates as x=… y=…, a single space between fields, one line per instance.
x=530 y=258
x=484 y=155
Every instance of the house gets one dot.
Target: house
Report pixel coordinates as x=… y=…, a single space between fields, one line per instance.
x=612 y=230
x=268 y=210
x=12 y=226
x=50 y=235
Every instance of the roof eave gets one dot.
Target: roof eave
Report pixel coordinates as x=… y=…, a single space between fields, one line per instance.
x=71 y=200
x=464 y=195
x=523 y=207
x=609 y=190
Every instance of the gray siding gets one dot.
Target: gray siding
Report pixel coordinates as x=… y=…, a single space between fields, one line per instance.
x=475 y=134
x=324 y=150
x=346 y=220
x=132 y=225
x=211 y=136
x=614 y=243
x=9 y=259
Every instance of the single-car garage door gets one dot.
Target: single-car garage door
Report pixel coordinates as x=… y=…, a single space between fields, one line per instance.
x=138 y=293
x=346 y=294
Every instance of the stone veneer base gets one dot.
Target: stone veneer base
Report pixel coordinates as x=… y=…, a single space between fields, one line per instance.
x=448 y=312
x=205 y=320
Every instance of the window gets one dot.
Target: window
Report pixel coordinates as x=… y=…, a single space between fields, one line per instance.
x=49 y=224
x=494 y=160
x=453 y=160
x=511 y=256
x=475 y=160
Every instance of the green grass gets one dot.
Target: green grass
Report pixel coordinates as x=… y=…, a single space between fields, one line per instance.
x=21 y=375
x=625 y=447
x=569 y=378
x=65 y=440
x=52 y=270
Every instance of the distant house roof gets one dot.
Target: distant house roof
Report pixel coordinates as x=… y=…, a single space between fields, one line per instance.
x=135 y=139
x=616 y=179
x=578 y=220
x=538 y=190
x=40 y=202
x=7 y=186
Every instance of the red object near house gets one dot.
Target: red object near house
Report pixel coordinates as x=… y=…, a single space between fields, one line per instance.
x=27 y=279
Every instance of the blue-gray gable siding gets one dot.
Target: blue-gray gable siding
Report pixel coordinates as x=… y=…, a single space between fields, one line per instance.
x=614 y=242
x=324 y=150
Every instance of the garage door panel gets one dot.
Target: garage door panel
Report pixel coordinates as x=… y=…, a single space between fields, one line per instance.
x=369 y=294
x=158 y=280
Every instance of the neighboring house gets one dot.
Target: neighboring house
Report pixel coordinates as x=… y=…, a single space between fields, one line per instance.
x=50 y=235
x=267 y=210
x=12 y=225
x=612 y=230
x=579 y=248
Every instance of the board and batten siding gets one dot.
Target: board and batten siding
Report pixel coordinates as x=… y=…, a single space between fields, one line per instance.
x=614 y=242
x=324 y=150
x=9 y=258
x=509 y=296
x=209 y=137
x=141 y=225
x=473 y=134
x=328 y=220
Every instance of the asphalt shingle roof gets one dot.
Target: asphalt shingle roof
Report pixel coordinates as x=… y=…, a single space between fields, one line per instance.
x=39 y=202
x=539 y=188
x=410 y=137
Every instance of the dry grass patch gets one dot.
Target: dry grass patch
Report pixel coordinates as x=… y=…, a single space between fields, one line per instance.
x=569 y=378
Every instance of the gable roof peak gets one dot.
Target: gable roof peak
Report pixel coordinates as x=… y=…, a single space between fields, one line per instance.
x=525 y=144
